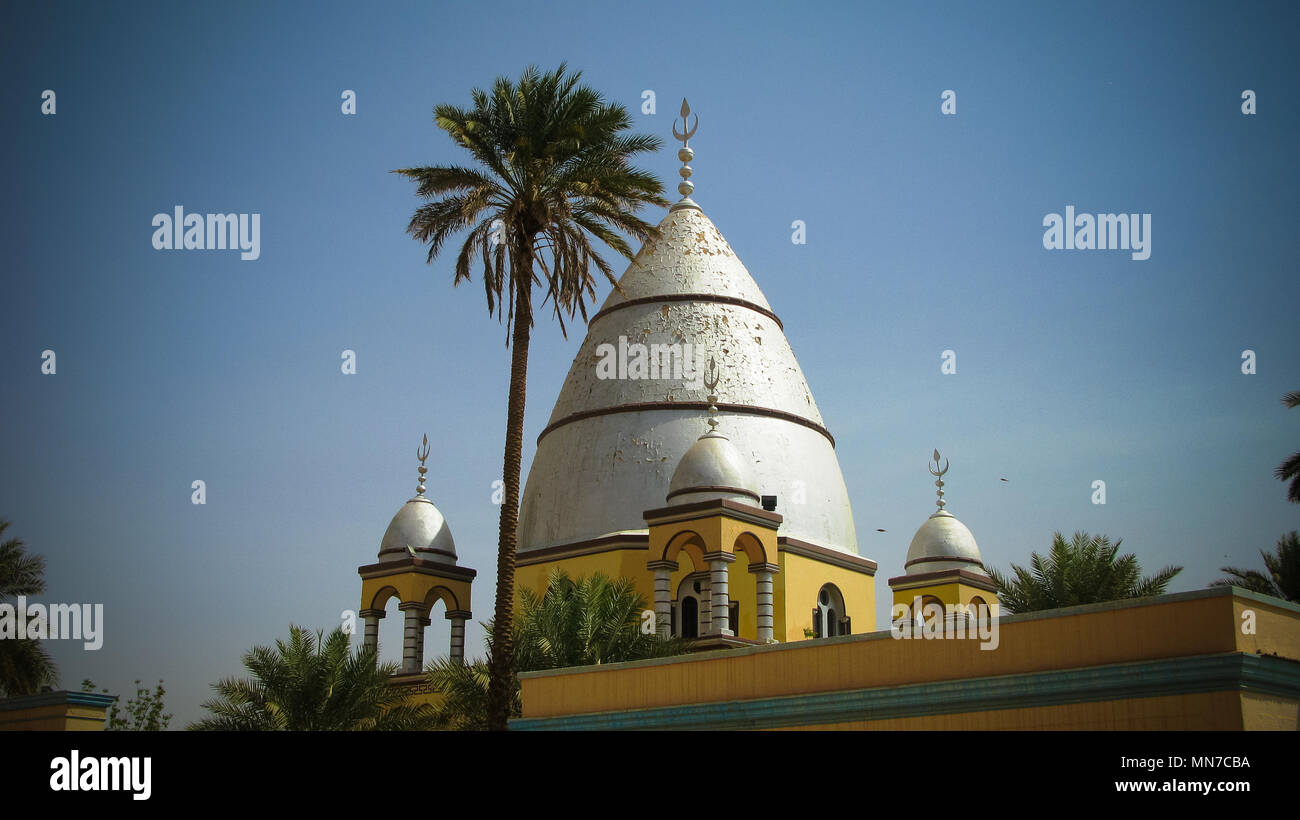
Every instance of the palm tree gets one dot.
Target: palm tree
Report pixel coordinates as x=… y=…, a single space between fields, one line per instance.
x=1283 y=565
x=589 y=621
x=575 y=623
x=24 y=664
x=1087 y=569
x=1290 y=469
x=312 y=684
x=553 y=172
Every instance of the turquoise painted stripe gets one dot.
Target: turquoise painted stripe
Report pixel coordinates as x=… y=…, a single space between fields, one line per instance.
x=1174 y=676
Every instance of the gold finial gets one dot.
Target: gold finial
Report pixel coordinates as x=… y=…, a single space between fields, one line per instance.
x=938 y=473
x=712 y=375
x=685 y=154
x=422 y=453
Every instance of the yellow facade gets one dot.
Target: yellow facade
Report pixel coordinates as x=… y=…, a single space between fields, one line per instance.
x=1127 y=665
x=795 y=586
x=55 y=712
x=412 y=584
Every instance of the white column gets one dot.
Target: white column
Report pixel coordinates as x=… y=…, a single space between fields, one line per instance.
x=706 y=607
x=419 y=642
x=458 y=617
x=371 y=638
x=718 y=592
x=763 y=579
x=412 y=638
x=663 y=571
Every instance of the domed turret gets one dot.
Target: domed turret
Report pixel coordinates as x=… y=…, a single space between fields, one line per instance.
x=712 y=468
x=942 y=542
x=418 y=529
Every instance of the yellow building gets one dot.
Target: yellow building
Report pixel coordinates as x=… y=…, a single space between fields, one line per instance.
x=686 y=453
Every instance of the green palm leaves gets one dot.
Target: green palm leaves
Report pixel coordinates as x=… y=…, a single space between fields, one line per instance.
x=312 y=683
x=1289 y=470
x=1283 y=565
x=1087 y=569
x=554 y=173
x=574 y=623
x=25 y=666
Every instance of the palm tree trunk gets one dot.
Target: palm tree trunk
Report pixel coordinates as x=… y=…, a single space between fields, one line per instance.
x=499 y=682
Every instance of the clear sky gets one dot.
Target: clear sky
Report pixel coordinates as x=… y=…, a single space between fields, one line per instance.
x=924 y=234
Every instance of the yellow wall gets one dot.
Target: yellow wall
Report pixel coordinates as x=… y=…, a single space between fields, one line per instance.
x=412 y=586
x=794 y=588
x=1168 y=627
x=953 y=592
x=54 y=718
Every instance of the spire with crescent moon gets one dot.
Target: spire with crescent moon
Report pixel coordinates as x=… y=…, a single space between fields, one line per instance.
x=422 y=453
x=686 y=154
x=938 y=474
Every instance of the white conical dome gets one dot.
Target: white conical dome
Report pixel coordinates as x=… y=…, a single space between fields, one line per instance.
x=612 y=444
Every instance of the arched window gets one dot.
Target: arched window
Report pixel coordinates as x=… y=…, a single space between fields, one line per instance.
x=829 y=616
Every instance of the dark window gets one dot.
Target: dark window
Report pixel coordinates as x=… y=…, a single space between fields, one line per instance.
x=690 y=618
x=733 y=617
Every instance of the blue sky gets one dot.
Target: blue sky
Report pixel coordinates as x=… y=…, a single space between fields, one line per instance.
x=924 y=233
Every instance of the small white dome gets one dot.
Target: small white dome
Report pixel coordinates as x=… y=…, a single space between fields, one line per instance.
x=712 y=468
x=943 y=543
x=420 y=526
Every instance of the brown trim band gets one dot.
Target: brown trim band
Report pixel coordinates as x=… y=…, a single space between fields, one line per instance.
x=419 y=565
x=932 y=558
x=837 y=558
x=688 y=297
x=962 y=576
x=745 y=409
x=713 y=488
x=605 y=543
x=695 y=509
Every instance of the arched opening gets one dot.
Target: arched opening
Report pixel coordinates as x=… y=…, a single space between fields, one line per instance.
x=689 y=607
x=392 y=630
x=830 y=618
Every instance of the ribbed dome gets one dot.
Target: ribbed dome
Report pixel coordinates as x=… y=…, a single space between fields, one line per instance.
x=610 y=448
x=712 y=468
x=943 y=543
x=419 y=525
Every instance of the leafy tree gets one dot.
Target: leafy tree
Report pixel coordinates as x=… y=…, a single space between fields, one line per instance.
x=575 y=623
x=1283 y=565
x=1087 y=569
x=25 y=666
x=552 y=173
x=312 y=684
x=143 y=713
x=1289 y=470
